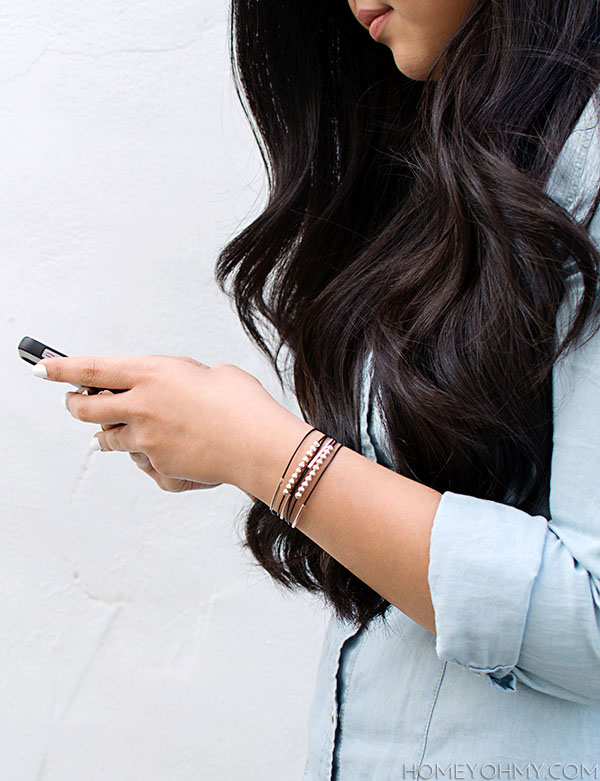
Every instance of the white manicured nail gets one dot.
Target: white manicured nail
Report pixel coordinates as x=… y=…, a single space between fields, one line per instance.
x=39 y=370
x=65 y=401
x=95 y=444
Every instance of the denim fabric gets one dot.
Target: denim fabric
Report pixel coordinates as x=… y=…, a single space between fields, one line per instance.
x=509 y=687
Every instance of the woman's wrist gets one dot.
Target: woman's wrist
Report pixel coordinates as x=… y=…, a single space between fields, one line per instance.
x=373 y=521
x=263 y=463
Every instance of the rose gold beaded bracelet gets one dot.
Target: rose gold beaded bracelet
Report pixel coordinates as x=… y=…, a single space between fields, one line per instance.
x=310 y=467
x=326 y=455
x=272 y=505
x=298 y=475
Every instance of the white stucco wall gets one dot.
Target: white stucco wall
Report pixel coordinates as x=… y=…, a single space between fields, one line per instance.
x=138 y=641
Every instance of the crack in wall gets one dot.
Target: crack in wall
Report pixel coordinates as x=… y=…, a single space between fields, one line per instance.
x=129 y=50
x=120 y=601
x=78 y=684
x=203 y=625
x=87 y=666
x=23 y=74
x=108 y=602
x=85 y=467
x=83 y=54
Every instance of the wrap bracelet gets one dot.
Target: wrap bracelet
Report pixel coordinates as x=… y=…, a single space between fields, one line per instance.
x=309 y=470
x=271 y=506
x=299 y=476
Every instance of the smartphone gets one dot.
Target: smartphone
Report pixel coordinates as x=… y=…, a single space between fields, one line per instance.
x=33 y=351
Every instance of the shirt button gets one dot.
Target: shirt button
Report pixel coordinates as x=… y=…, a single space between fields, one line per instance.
x=332 y=714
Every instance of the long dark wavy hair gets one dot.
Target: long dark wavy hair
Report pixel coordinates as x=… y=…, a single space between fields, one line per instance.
x=410 y=218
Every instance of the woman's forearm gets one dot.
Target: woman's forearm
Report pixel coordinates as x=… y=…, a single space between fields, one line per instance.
x=209 y=425
x=372 y=520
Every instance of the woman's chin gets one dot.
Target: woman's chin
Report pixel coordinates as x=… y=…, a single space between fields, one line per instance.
x=413 y=67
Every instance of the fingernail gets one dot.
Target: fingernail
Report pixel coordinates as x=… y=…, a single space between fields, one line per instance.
x=39 y=370
x=65 y=401
x=95 y=444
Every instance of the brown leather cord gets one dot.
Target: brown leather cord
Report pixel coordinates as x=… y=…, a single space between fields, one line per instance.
x=284 y=503
x=318 y=476
x=287 y=467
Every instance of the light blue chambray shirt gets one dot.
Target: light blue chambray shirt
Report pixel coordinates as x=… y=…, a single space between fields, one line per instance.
x=509 y=687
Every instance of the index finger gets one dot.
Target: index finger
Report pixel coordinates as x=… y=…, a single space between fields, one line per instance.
x=114 y=372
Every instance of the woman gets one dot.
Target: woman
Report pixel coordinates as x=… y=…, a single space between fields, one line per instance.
x=428 y=255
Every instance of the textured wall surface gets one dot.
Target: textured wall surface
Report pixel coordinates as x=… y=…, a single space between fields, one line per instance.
x=138 y=640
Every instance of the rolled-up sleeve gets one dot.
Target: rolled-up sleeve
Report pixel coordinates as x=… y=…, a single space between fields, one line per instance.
x=510 y=600
x=516 y=597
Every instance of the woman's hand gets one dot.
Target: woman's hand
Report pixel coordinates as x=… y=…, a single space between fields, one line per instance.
x=141 y=460
x=186 y=424
x=173 y=484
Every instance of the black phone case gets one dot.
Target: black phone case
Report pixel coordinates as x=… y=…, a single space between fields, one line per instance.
x=33 y=351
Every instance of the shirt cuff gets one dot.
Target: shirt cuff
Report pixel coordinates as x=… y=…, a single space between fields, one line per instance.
x=484 y=558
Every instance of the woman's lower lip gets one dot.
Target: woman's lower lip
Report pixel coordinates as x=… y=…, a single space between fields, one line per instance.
x=378 y=24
